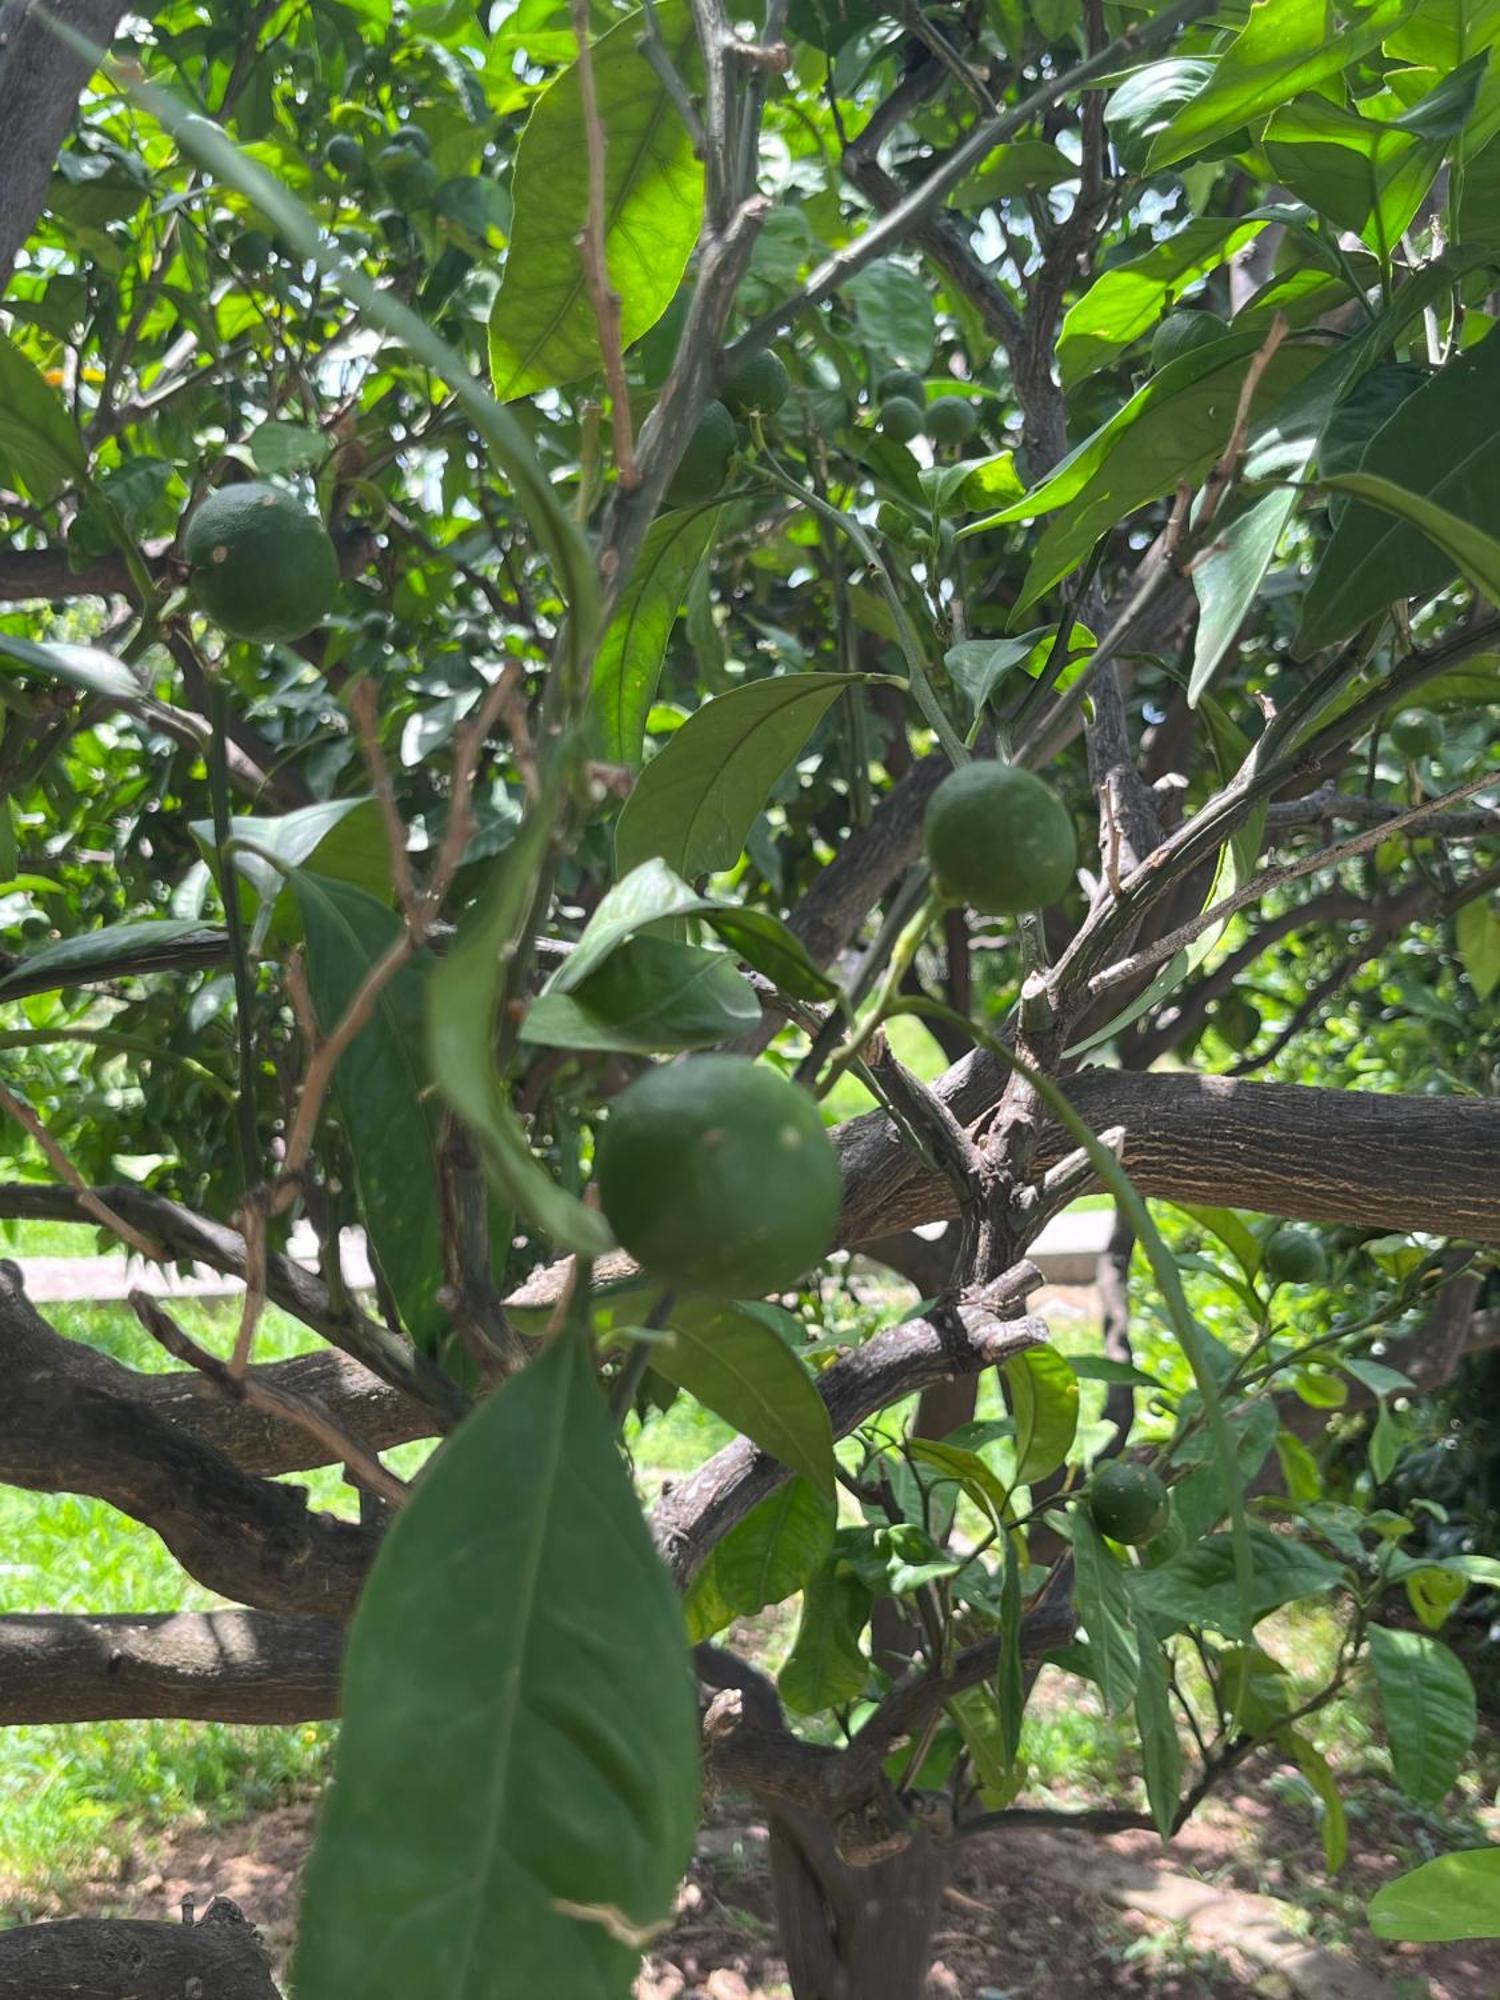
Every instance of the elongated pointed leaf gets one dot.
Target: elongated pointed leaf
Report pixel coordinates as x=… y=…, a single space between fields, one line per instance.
x=1318 y=1772
x=1161 y=1748
x=341 y=840
x=1471 y=550
x=650 y=996
x=1200 y=1587
x=542 y=327
x=1043 y=1393
x=1104 y=1608
x=695 y=802
x=1126 y=301
x=1284 y=48
x=517 y=1771
x=745 y=1373
x=86 y=667
x=380 y=1088
x=116 y=951
x=629 y=661
x=39 y=441
x=826 y=1665
x=461 y=999
x=1442 y=445
x=1427 y=1699
x=764 y=1559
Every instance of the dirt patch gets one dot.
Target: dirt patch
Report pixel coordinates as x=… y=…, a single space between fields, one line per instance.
x=1024 y=1915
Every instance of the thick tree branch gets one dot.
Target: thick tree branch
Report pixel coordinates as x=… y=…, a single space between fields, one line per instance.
x=193 y=1666
x=196 y=1239
x=249 y=1539
x=108 y=1958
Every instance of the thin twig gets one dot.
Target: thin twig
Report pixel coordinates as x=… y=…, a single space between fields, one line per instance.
x=1326 y=857
x=363 y=705
x=1226 y=471
x=363 y=1467
x=602 y=295
x=92 y=1203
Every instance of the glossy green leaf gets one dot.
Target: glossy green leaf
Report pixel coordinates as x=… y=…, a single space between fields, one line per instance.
x=893 y=312
x=87 y=667
x=542 y=326
x=629 y=662
x=978 y=666
x=771 y=947
x=1284 y=48
x=966 y=1469
x=1199 y=1588
x=516 y=1784
x=745 y=1373
x=649 y=894
x=1099 y=1591
x=342 y=840
x=1369 y=176
x=826 y=1665
x=1161 y=1749
x=114 y=951
x=40 y=448
x=695 y=802
x=380 y=1089
x=1128 y=299
x=1228 y=578
x=651 y=995
x=1440 y=446
x=1026 y=166
x=1043 y=1393
x=1145 y=104
x=1427 y=1700
x=1172 y=429
x=776 y=1548
x=462 y=996
x=1477 y=932
x=1474 y=553
x=1315 y=1767
x=1456 y=1896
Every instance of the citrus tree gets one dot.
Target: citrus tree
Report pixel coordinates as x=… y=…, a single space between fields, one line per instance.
x=583 y=586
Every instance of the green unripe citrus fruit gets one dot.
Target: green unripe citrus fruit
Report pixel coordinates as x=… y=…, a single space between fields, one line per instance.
x=263 y=566
x=759 y=387
x=901 y=419
x=345 y=154
x=999 y=840
x=250 y=251
x=1416 y=734
x=904 y=384
x=415 y=137
x=717 y=1176
x=950 y=420
x=1180 y=332
x=704 y=466
x=407 y=175
x=1294 y=1256
x=1238 y=1021
x=1129 y=1503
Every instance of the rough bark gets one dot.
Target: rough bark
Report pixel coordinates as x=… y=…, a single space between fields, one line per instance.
x=848 y=1932
x=98 y=1958
x=204 y=1666
x=1319 y=1155
x=41 y=77
x=250 y=1539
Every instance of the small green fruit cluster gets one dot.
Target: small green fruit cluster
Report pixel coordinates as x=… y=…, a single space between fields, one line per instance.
x=404 y=169
x=905 y=412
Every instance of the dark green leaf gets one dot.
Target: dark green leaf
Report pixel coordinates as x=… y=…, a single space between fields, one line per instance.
x=1198 y=1587
x=542 y=327
x=826 y=1666
x=1441 y=445
x=39 y=442
x=517 y=1771
x=1427 y=1699
x=1475 y=554
x=1104 y=1608
x=650 y=894
x=1161 y=1750
x=629 y=661
x=695 y=802
x=115 y=951
x=86 y=667
x=652 y=995
x=766 y=943
x=742 y=1371
x=380 y=1088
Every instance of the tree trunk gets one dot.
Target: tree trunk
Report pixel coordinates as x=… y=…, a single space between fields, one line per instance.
x=95 y=1958
x=854 y=1933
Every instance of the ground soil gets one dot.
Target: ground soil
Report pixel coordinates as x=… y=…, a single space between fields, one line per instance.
x=1015 y=1923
